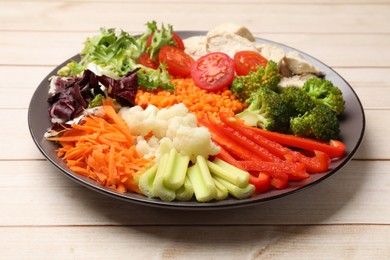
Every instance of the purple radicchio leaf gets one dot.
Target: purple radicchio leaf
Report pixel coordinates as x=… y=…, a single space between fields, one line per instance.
x=124 y=89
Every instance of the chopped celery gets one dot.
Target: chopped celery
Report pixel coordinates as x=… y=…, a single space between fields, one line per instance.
x=236 y=176
x=243 y=175
x=185 y=192
x=146 y=181
x=222 y=191
x=201 y=180
x=159 y=189
x=176 y=170
x=237 y=192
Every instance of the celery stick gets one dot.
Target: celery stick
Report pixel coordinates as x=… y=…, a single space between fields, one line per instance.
x=222 y=192
x=237 y=192
x=206 y=175
x=201 y=180
x=243 y=175
x=186 y=191
x=145 y=183
x=159 y=189
x=175 y=173
x=238 y=179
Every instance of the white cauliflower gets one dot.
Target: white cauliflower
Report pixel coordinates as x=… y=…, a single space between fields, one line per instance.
x=171 y=127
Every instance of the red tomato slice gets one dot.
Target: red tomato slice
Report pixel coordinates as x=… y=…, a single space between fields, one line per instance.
x=178 y=62
x=145 y=60
x=213 y=71
x=247 y=61
x=175 y=37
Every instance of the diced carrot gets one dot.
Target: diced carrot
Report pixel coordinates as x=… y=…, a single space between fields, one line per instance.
x=198 y=101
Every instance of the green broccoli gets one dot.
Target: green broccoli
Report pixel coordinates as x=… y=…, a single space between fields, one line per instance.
x=297 y=101
x=324 y=92
x=243 y=86
x=320 y=123
x=266 y=110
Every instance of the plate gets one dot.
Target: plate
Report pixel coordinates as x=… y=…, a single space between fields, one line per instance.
x=352 y=128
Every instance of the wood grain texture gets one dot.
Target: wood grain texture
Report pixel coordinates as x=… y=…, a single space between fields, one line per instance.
x=208 y=242
x=52 y=199
x=309 y=18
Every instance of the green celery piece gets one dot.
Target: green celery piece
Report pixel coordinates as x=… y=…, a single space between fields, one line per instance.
x=159 y=189
x=185 y=192
x=243 y=175
x=146 y=180
x=175 y=173
x=201 y=180
x=222 y=191
x=228 y=172
x=237 y=192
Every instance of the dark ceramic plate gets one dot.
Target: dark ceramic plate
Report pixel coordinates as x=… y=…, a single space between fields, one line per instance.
x=352 y=130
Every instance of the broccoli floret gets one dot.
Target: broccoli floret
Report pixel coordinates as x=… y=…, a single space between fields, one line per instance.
x=320 y=123
x=297 y=101
x=324 y=92
x=266 y=110
x=243 y=86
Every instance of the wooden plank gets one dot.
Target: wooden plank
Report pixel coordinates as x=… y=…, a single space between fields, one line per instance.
x=354 y=195
x=209 y=242
x=364 y=50
x=314 y=18
x=319 y=2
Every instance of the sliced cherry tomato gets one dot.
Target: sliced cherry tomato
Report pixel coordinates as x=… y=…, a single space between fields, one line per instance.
x=213 y=71
x=175 y=37
x=178 y=62
x=247 y=61
x=145 y=60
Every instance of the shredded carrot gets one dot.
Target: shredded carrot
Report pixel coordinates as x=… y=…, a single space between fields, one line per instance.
x=198 y=101
x=103 y=149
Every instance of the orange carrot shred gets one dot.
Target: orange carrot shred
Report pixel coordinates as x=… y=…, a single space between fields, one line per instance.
x=103 y=149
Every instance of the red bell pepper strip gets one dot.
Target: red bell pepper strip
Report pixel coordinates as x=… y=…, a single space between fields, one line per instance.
x=224 y=155
x=273 y=147
x=335 y=148
x=295 y=171
x=318 y=163
x=245 y=142
x=262 y=182
x=227 y=143
x=279 y=180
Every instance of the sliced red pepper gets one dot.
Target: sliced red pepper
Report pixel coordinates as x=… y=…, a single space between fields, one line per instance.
x=262 y=182
x=294 y=170
x=335 y=148
x=318 y=163
x=273 y=147
x=279 y=180
x=224 y=155
x=227 y=143
x=245 y=142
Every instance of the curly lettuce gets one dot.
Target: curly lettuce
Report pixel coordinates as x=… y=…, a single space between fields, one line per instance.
x=114 y=53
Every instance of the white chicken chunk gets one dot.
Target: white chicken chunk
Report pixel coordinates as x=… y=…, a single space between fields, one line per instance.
x=271 y=52
x=296 y=80
x=234 y=29
x=298 y=65
x=195 y=46
x=228 y=43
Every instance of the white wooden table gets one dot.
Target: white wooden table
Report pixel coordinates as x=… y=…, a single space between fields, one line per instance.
x=44 y=215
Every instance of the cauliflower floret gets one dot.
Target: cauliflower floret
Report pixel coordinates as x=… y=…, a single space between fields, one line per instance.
x=140 y=121
x=194 y=141
x=172 y=127
x=146 y=149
